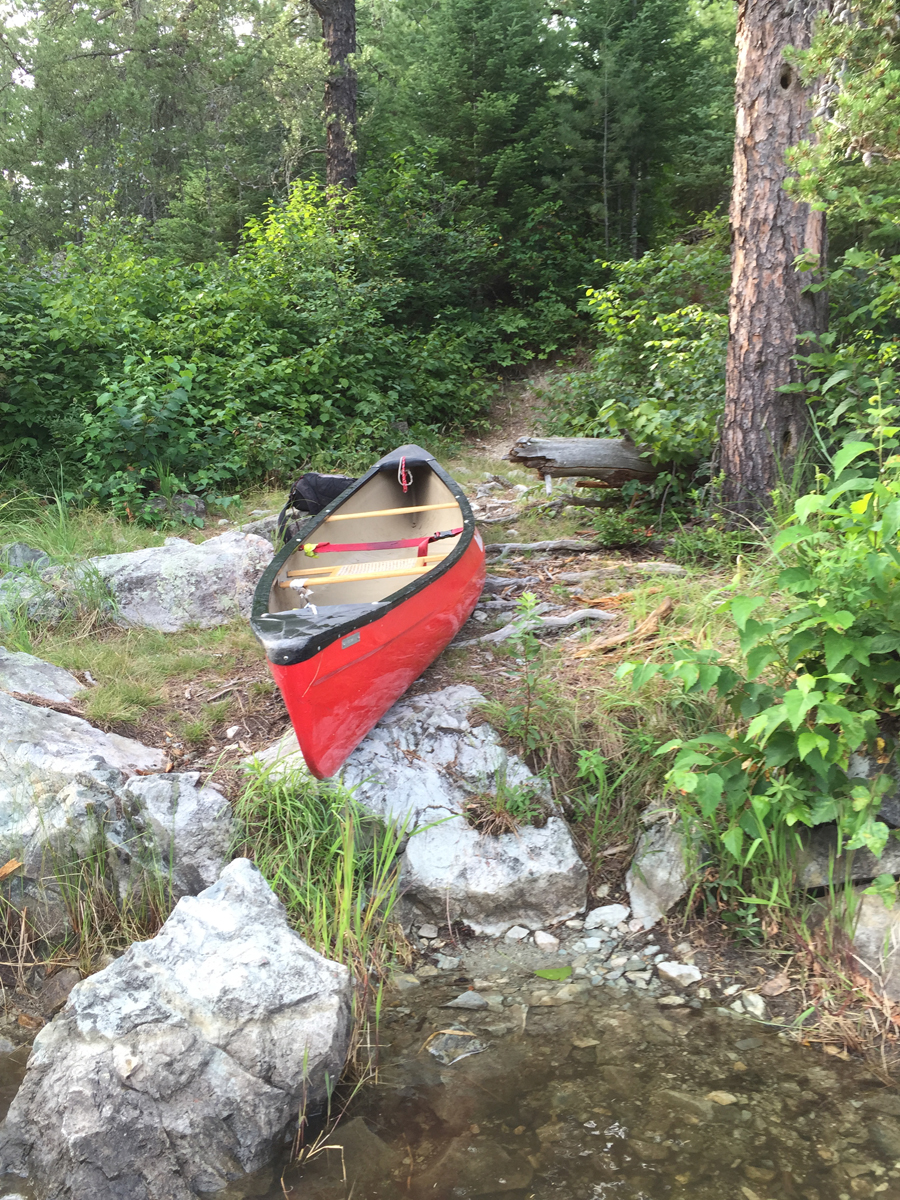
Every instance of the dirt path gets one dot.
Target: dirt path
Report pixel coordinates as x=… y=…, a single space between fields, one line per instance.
x=515 y=413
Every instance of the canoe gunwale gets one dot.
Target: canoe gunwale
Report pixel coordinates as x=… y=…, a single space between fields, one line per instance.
x=286 y=648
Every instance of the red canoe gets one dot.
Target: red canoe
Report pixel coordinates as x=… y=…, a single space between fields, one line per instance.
x=371 y=590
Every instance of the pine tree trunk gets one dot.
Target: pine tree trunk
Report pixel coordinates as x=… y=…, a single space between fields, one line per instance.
x=764 y=429
x=339 y=32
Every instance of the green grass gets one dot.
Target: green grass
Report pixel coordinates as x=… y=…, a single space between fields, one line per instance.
x=334 y=868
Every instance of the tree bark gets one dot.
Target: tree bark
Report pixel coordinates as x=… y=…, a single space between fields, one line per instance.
x=764 y=429
x=339 y=32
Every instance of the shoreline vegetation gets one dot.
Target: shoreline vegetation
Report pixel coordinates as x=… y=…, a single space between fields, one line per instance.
x=575 y=714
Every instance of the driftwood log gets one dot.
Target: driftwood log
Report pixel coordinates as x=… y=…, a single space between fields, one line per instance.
x=612 y=460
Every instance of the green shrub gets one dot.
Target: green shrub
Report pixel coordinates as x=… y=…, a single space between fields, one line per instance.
x=298 y=348
x=817 y=678
x=658 y=373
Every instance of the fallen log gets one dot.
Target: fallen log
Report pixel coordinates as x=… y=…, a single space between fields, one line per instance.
x=614 y=461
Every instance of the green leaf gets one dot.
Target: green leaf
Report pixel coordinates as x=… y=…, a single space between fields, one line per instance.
x=742 y=607
x=848 y=452
x=837 y=377
x=732 y=840
x=554 y=973
x=758 y=659
x=890 y=520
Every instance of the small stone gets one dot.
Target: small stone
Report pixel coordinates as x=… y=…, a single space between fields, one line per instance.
x=721 y=1098
x=55 y=989
x=579 y=947
x=428 y=931
x=704 y=993
x=671 y=1001
x=731 y=991
x=571 y=991
x=638 y=976
x=405 y=983
x=607 y=916
x=755 y=1005
x=593 y=943
x=471 y=1000
x=758 y=1174
x=681 y=975
x=232 y=732
x=516 y=934
x=545 y=941
x=576 y=923
x=447 y=963
x=427 y=971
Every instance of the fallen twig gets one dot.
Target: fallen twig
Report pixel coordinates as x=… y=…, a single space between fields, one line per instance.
x=41 y=702
x=504 y=548
x=617 y=570
x=646 y=628
x=228 y=687
x=544 y=625
x=496 y=583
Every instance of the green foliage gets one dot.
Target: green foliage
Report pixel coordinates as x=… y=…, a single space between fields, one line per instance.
x=133 y=368
x=525 y=718
x=658 y=374
x=569 y=124
x=710 y=542
x=190 y=117
x=850 y=164
x=818 y=677
x=502 y=807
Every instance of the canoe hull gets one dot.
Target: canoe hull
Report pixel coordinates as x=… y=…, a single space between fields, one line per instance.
x=337 y=696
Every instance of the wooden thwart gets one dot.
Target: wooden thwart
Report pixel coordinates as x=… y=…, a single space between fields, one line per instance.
x=393 y=562
x=337 y=578
x=389 y=512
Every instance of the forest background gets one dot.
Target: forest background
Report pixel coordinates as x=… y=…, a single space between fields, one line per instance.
x=181 y=297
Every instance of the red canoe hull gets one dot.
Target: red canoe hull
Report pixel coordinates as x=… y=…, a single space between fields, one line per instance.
x=338 y=695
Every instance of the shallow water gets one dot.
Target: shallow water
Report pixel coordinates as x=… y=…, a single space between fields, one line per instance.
x=599 y=1093
x=605 y=1096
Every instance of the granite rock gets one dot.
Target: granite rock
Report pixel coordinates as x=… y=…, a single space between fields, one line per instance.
x=183 y=1064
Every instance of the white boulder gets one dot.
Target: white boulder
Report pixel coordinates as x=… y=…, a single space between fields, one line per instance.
x=20 y=672
x=658 y=875
x=419 y=767
x=184 y=583
x=67 y=788
x=183 y=1064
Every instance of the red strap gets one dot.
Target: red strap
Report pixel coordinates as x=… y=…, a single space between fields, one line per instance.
x=420 y=543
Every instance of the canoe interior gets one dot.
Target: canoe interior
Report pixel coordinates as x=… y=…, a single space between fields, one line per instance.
x=382 y=491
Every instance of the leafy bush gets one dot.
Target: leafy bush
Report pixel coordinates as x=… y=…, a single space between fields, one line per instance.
x=818 y=678
x=299 y=348
x=658 y=374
